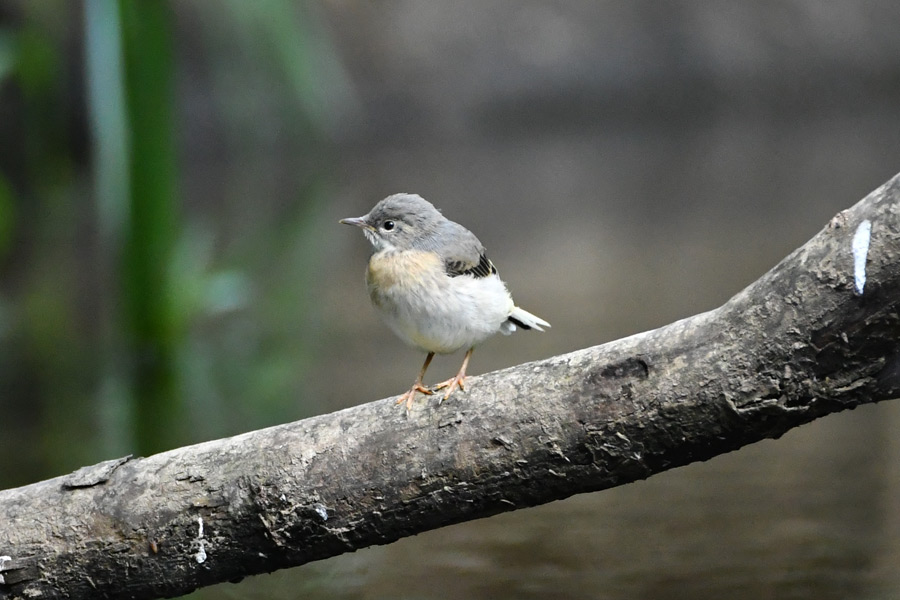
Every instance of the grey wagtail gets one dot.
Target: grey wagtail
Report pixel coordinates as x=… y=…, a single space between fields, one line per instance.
x=431 y=282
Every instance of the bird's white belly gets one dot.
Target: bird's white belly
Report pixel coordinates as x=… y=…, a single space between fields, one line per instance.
x=429 y=309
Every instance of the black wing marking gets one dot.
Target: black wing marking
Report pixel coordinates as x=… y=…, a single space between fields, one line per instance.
x=484 y=268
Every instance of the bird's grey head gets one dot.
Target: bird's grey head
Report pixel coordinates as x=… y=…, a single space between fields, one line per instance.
x=401 y=222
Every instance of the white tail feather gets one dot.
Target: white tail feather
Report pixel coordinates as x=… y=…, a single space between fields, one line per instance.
x=523 y=318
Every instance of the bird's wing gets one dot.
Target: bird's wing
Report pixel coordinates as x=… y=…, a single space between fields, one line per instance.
x=461 y=252
x=483 y=268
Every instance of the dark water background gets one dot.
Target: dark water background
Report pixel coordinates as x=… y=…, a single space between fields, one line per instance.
x=625 y=163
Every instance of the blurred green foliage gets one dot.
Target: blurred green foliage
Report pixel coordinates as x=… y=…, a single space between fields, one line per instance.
x=7 y=54
x=7 y=215
x=152 y=328
x=133 y=320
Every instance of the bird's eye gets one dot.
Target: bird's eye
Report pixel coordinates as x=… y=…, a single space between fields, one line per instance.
x=387 y=225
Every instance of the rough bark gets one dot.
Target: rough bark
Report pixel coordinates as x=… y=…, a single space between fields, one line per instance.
x=815 y=335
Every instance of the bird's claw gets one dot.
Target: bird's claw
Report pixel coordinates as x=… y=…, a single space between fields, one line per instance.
x=411 y=394
x=450 y=385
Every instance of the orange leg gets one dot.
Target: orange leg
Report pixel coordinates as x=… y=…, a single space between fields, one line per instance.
x=417 y=386
x=459 y=380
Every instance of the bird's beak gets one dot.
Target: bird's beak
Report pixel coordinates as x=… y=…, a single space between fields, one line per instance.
x=358 y=221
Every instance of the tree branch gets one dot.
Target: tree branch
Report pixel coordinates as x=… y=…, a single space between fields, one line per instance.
x=815 y=335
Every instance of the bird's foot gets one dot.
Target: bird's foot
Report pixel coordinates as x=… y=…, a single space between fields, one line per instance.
x=451 y=384
x=408 y=396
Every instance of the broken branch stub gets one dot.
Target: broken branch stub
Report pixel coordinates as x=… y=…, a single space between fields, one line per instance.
x=815 y=335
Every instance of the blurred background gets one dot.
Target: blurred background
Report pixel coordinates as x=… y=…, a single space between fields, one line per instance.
x=172 y=270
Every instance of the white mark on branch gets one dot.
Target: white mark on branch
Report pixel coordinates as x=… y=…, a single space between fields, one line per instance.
x=3 y=561
x=321 y=510
x=200 y=557
x=860 y=253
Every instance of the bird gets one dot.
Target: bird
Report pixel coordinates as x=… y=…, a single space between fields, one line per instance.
x=432 y=283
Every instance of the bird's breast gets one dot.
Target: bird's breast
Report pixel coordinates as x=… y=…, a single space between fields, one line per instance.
x=396 y=271
x=431 y=310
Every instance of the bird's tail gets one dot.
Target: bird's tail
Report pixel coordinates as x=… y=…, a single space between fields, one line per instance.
x=524 y=319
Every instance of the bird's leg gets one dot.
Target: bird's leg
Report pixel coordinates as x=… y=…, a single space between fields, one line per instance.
x=457 y=381
x=417 y=386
